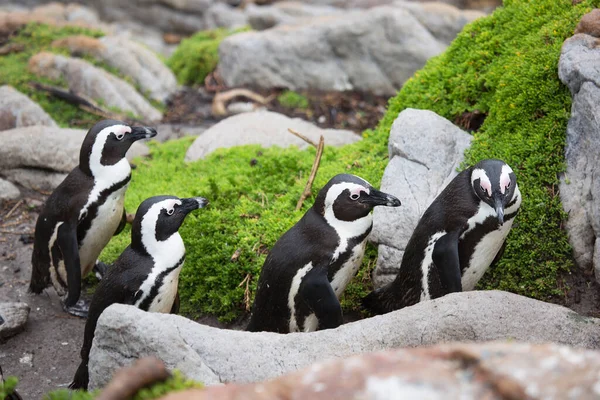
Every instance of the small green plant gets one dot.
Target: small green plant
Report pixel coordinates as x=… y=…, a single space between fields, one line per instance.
x=291 y=99
x=8 y=386
x=198 y=55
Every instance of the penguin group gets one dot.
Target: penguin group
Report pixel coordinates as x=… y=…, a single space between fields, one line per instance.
x=458 y=237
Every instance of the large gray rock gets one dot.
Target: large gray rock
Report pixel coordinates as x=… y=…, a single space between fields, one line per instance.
x=8 y=191
x=442 y=20
x=265 y=128
x=93 y=82
x=221 y=15
x=286 y=13
x=39 y=157
x=580 y=185
x=18 y=110
x=425 y=150
x=375 y=50
x=211 y=355
x=129 y=58
x=13 y=317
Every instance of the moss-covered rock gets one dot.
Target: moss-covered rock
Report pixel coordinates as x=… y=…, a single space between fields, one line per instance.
x=198 y=55
x=504 y=66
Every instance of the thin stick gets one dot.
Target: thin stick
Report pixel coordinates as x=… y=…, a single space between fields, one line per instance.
x=313 y=174
x=247 y=290
x=13 y=209
x=301 y=136
x=15 y=233
x=220 y=99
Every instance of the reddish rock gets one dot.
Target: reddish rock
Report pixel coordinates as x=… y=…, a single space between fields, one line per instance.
x=590 y=23
x=452 y=371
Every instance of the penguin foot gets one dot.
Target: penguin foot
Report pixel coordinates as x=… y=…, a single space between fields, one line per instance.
x=79 y=309
x=100 y=269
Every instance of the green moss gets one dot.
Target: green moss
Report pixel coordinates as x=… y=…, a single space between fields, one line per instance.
x=506 y=66
x=503 y=65
x=13 y=69
x=8 y=386
x=198 y=55
x=291 y=99
x=175 y=383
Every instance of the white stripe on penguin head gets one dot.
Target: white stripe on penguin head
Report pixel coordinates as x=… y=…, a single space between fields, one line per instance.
x=345 y=229
x=505 y=178
x=96 y=165
x=164 y=252
x=484 y=180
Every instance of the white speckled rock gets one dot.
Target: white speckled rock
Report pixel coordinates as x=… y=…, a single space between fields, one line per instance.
x=211 y=355
x=8 y=191
x=18 y=110
x=265 y=128
x=93 y=82
x=13 y=317
x=425 y=151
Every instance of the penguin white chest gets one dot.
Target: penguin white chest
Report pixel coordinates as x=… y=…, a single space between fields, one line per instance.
x=163 y=302
x=101 y=230
x=349 y=269
x=484 y=253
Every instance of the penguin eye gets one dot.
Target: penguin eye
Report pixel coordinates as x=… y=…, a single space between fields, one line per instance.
x=170 y=211
x=354 y=196
x=483 y=190
x=508 y=185
x=120 y=136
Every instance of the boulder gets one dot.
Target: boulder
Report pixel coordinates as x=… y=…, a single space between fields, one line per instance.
x=13 y=317
x=374 y=51
x=265 y=128
x=93 y=82
x=442 y=20
x=18 y=110
x=222 y=15
x=425 y=150
x=286 y=13
x=129 y=58
x=580 y=185
x=445 y=372
x=25 y=161
x=211 y=355
x=8 y=191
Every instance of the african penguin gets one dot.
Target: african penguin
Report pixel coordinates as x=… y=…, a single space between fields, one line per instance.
x=309 y=266
x=83 y=212
x=146 y=274
x=458 y=237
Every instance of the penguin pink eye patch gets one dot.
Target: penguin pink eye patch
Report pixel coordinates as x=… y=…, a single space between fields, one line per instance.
x=356 y=191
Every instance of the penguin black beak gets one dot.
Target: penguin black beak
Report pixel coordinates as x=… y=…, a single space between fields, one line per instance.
x=499 y=207
x=142 y=132
x=378 y=198
x=193 y=203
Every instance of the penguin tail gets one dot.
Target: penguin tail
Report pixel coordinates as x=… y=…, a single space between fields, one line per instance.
x=81 y=379
x=40 y=275
x=377 y=302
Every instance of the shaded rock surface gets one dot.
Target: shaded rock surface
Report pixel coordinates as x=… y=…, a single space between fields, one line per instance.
x=8 y=191
x=212 y=355
x=17 y=110
x=375 y=50
x=13 y=317
x=265 y=128
x=493 y=371
x=425 y=150
x=93 y=82
x=39 y=157
x=580 y=185
x=286 y=13
x=130 y=59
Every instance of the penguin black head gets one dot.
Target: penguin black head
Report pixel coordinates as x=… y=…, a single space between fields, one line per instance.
x=494 y=182
x=159 y=217
x=348 y=198
x=107 y=142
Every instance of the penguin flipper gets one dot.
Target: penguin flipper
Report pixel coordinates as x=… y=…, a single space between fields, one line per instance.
x=319 y=296
x=122 y=223
x=445 y=257
x=67 y=241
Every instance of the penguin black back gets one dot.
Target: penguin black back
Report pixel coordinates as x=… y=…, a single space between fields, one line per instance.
x=310 y=265
x=83 y=212
x=146 y=273
x=458 y=237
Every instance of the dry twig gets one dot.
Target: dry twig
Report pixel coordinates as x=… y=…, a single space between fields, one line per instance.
x=315 y=166
x=218 y=105
x=13 y=209
x=15 y=233
x=247 y=290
